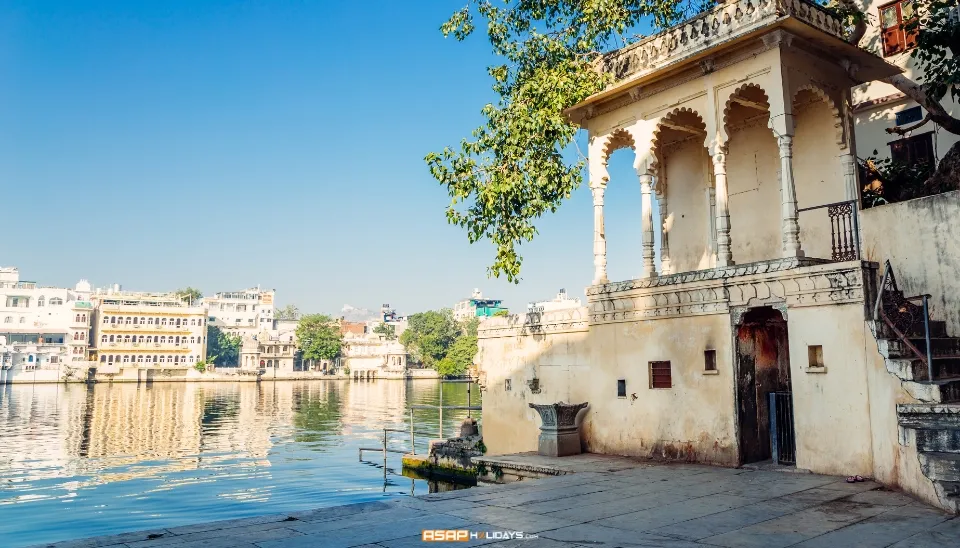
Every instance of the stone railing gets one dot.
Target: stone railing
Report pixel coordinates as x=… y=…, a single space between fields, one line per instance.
x=723 y=23
x=554 y=321
x=781 y=284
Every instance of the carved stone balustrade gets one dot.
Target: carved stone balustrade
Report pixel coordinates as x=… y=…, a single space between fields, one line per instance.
x=723 y=23
x=559 y=433
x=781 y=283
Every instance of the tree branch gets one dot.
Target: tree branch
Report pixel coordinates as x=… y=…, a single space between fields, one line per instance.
x=935 y=110
x=899 y=130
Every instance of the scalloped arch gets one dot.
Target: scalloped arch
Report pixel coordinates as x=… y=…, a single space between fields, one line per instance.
x=617 y=139
x=831 y=104
x=655 y=142
x=729 y=104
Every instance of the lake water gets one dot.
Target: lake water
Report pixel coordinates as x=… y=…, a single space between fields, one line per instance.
x=78 y=461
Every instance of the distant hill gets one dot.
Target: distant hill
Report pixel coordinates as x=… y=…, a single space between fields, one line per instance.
x=354 y=314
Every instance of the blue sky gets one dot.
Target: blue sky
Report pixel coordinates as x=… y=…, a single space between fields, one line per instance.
x=225 y=144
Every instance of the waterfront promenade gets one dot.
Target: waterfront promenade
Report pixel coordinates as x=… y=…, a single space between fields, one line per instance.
x=605 y=501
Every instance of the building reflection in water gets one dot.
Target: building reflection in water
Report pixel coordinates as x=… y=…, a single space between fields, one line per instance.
x=128 y=456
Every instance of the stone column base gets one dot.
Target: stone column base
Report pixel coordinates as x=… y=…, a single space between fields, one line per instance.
x=559 y=443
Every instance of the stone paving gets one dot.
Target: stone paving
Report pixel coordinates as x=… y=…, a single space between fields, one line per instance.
x=604 y=501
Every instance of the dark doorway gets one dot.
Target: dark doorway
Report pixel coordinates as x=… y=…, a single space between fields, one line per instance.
x=763 y=367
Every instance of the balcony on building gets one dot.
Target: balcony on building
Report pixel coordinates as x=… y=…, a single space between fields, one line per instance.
x=739 y=125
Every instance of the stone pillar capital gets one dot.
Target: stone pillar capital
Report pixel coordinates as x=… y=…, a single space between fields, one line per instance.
x=598 y=192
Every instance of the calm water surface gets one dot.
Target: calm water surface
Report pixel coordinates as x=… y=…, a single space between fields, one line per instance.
x=78 y=461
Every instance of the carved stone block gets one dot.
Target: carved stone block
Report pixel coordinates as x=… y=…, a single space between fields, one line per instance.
x=559 y=433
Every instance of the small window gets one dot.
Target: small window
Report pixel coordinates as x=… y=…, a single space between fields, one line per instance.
x=914 y=150
x=622 y=388
x=507 y=385
x=709 y=360
x=660 y=375
x=815 y=355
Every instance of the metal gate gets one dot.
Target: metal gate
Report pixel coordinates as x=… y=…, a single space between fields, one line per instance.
x=783 y=446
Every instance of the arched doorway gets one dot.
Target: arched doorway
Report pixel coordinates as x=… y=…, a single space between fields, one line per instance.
x=763 y=368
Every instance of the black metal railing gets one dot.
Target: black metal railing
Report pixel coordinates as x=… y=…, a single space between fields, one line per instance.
x=903 y=316
x=414 y=433
x=783 y=440
x=844 y=229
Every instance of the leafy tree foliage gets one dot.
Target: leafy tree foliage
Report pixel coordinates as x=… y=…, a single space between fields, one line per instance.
x=389 y=331
x=470 y=326
x=222 y=348
x=513 y=169
x=429 y=334
x=938 y=47
x=319 y=337
x=435 y=339
x=289 y=312
x=459 y=356
x=191 y=294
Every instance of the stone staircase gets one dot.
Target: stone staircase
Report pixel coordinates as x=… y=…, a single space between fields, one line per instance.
x=933 y=425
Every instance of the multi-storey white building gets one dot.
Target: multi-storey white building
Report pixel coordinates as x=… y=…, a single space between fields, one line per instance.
x=246 y=312
x=45 y=329
x=147 y=331
x=560 y=302
x=878 y=106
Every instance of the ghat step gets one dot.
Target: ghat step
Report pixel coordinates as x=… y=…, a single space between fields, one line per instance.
x=938 y=329
x=938 y=441
x=916 y=370
x=941 y=466
x=940 y=346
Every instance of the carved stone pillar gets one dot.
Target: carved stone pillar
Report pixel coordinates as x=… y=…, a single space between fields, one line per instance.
x=599 y=237
x=711 y=199
x=646 y=209
x=848 y=165
x=724 y=254
x=788 y=199
x=665 y=267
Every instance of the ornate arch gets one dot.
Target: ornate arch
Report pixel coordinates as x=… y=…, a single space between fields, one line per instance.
x=655 y=143
x=617 y=139
x=722 y=133
x=831 y=104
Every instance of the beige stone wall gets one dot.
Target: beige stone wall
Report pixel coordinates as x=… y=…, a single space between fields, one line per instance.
x=692 y=420
x=753 y=165
x=688 y=207
x=585 y=366
x=832 y=406
x=921 y=238
x=817 y=171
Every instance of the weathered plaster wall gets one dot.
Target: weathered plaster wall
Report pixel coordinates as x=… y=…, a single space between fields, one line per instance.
x=817 y=173
x=585 y=366
x=509 y=424
x=753 y=165
x=687 y=206
x=674 y=422
x=831 y=406
x=921 y=238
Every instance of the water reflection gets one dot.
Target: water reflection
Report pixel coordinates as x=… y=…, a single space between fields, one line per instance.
x=78 y=461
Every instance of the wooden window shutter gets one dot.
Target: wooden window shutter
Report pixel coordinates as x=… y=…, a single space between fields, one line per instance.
x=660 y=375
x=891 y=32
